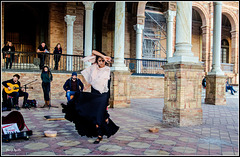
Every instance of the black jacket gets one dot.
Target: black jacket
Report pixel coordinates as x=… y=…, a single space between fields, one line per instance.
x=6 y=48
x=67 y=85
x=56 y=51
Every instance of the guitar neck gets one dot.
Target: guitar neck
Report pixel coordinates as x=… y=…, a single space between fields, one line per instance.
x=23 y=87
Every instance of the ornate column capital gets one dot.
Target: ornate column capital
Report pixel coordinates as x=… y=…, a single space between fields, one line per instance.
x=204 y=29
x=69 y=19
x=89 y=5
x=170 y=15
x=138 y=28
x=141 y=19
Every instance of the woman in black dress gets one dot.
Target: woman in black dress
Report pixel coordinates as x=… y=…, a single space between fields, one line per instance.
x=89 y=110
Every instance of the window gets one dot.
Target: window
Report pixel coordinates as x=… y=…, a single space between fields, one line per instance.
x=225 y=51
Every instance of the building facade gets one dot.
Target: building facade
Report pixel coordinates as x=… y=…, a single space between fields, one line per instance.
x=146 y=29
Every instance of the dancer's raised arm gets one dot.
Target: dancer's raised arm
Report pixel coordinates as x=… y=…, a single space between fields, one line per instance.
x=106 y=58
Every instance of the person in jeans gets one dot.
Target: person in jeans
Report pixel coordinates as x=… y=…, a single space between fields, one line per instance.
x=47 y=78
x=228 y=87
x=71 y=86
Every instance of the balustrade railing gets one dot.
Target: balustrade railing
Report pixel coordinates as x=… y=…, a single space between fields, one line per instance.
x=226 y=67
x=145 y=66
x=30 y=61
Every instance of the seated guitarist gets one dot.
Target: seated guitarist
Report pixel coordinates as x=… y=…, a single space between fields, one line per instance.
x=15 y=95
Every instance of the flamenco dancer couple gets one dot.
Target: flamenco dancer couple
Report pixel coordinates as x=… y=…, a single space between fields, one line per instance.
x=88 y=111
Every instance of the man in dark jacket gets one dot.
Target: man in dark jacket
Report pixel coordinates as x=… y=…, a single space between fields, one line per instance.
x=71 y=86
x=15 y=94
x=42 y=49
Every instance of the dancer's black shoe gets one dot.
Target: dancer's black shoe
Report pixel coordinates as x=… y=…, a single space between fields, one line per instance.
x=98 y=140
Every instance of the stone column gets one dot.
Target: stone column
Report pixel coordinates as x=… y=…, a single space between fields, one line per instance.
x=215 y=80
x=69 y=20
x=183 y=34
x=89 y=6
x=120 y=76
x=234 y=60
x=205 y=46
x=183 y=76
x=139 y=30
x=169 y=16
x=119 y=37
x=216 y=63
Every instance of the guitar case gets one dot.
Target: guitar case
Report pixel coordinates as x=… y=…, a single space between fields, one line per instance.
x=15 y=117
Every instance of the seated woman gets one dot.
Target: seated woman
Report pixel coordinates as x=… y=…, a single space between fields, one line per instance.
x=89 y=110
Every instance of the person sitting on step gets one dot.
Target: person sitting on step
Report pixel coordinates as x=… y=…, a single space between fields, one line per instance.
x=229 y=87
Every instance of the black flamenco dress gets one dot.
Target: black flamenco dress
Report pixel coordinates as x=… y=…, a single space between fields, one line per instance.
x=86 y=110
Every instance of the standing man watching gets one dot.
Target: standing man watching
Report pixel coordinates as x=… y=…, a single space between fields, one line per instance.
x=42 y=49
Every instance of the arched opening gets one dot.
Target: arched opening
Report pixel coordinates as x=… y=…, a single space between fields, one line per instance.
x=226 y=39
x=196 y=34
x=104 y=15
x=154 y=33
x=26 y=25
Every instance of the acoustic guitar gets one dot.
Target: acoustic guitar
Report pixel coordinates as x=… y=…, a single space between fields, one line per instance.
x=14 y=88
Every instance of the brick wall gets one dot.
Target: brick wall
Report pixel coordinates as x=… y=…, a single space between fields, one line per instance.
x=57 y=26
x=57 y=91
x=146 y=87
x=140 y=86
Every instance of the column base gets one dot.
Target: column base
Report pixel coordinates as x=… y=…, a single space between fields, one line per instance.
x=190 y=59
x=182 y=117
x=215 y=90
x=119 y=68
x=182 y=94
x=120 y=89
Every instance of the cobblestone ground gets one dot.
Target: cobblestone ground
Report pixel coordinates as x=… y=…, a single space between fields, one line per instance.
x=218 y=135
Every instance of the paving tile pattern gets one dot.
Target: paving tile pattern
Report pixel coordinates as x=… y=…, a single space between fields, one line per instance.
x=218 y=135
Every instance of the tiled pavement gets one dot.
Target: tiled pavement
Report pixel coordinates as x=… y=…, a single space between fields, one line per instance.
x=218 y=135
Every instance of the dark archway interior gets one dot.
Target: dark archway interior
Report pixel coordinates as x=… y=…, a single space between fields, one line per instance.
x=225 y=21
x=26 y=24
x=99 y=10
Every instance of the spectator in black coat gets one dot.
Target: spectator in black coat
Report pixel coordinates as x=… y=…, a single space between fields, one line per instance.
x=57 y=55
x=8 y=55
